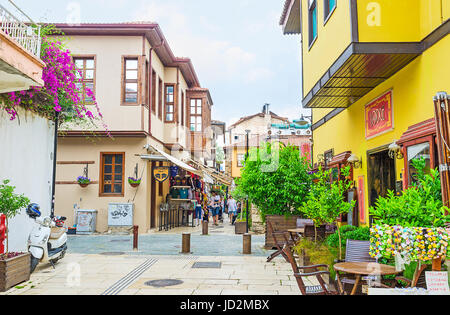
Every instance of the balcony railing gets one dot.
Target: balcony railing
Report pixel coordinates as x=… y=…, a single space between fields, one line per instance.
x=29 y=37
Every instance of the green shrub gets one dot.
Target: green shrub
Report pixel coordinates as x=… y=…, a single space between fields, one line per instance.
x=348 y=232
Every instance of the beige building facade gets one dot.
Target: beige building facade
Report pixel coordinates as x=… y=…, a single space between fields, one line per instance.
x=150 y=100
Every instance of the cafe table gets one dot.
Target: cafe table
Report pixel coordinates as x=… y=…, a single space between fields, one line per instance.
x=296 y=233
x=360 y=269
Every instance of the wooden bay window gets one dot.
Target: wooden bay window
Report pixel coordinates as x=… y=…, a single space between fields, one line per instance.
x=169 y=97
x=85 y=72
x=196 y=115
x=130 y=81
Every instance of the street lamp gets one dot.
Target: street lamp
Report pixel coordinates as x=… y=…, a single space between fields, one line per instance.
x=247 y=133
x=303 y=121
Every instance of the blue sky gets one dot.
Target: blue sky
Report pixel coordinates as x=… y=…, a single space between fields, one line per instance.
x=236 y=46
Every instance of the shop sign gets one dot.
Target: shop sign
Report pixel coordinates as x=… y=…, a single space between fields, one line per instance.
x=161 y=174
x=379 y=116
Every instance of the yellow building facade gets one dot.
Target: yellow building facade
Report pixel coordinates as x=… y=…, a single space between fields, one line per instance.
x=370 y=72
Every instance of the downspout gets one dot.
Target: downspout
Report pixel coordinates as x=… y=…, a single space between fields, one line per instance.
x=55 y=148
x=150 y=106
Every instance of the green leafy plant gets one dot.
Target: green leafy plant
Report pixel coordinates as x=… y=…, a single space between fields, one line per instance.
x=319 y=253
x=348 y=232
x=276 y=179
x=11 y=203
x=325 y=201
x=419 y=206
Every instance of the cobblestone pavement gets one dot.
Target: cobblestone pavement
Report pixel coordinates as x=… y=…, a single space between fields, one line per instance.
x=105 y=265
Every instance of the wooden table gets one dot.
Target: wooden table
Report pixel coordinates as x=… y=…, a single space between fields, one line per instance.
x=298 y=232
x=360 y=269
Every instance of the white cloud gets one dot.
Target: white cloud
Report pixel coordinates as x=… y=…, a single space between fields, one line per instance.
x=213 y=59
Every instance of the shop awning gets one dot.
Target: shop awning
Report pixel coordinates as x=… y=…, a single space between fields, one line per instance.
x=214 y=175
x=174 y=160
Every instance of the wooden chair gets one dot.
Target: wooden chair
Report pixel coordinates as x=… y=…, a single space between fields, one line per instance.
x=419 y=280
x=310 y=231
x=321 y=289
x=358 y=251
x=280 y=239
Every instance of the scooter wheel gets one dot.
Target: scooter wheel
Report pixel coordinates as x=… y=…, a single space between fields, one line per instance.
x=34 y=263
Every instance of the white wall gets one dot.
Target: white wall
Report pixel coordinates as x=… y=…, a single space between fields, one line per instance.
x=26 y=153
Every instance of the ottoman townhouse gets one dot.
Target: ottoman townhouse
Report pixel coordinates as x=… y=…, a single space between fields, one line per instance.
x=371 y=71
x=156 y=112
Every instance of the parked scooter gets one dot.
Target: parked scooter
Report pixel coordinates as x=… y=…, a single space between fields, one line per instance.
x=47 y=240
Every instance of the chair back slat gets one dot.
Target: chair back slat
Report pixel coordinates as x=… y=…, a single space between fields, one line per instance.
x=302 y=222
x=358 y=251
x=310 y=231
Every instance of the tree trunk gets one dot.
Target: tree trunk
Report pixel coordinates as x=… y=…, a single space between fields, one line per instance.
x=340 y=243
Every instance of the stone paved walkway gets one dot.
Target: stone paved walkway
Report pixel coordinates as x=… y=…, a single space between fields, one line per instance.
x=86 y=271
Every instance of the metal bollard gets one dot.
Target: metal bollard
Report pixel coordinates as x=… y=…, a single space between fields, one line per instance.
x=186 y=243
x=205 y=228
x=135 y=237
x=247 y=244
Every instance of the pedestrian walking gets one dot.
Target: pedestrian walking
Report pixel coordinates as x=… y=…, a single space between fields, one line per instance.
x=198 y=209
x=232 y=209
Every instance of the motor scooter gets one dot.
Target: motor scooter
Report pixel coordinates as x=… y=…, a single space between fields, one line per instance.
x=47 y=240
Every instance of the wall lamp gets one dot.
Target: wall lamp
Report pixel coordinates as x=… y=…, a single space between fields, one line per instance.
x=395 y=151
x=355 y=161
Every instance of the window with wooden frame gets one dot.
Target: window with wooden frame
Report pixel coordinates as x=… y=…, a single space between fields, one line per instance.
x=112 y=169
x=85 y=72
x=160 y=99
x=421 y=148
x=196 y=115
x=169 y=108
x=130 y=80
x=329 y=7
x=153 y=91
x=312 y=21
x=419 y=141
x=240 y=160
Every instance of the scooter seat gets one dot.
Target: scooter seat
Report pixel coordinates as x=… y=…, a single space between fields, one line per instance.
x=56 y=233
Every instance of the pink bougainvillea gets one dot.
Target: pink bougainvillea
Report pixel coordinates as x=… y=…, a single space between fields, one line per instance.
x=60 y=95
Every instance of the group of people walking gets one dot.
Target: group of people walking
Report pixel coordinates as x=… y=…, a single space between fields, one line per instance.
x=214 y=207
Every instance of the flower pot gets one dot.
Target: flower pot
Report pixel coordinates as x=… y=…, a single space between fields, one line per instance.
x=83 y=185
x=134 y=185
x=240 y=227
x=14 y=271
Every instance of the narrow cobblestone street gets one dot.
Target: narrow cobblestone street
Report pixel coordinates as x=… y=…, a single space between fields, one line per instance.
x=97 y=265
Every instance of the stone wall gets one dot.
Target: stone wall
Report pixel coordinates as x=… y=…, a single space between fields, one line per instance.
x=258 y=227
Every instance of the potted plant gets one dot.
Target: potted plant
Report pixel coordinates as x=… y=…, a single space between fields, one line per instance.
x=275 y=178
x=325 y=202
x=14 y=267
x=134 y=182
x=83 y=181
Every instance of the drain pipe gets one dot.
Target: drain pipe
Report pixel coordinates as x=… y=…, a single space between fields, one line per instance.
x=55 y=148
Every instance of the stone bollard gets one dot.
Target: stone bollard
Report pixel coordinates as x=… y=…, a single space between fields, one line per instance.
x=205 y=228
x=247 y=244
x=135 y=237
x=186 y=243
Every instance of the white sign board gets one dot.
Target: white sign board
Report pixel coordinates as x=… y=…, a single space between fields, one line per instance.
x=437 y=281
x=120 y=214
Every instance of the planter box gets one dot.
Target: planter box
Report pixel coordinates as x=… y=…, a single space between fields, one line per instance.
x=14 y=271
x=240 y=227
x=280 y=223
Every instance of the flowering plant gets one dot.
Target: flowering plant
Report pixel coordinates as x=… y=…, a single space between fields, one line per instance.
x=61 y=94
x=83 y=180
x=134 y=181
x=410 y=243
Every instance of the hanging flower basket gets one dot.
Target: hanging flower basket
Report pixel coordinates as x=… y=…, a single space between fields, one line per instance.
x=134 y=182
x=83 y=181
